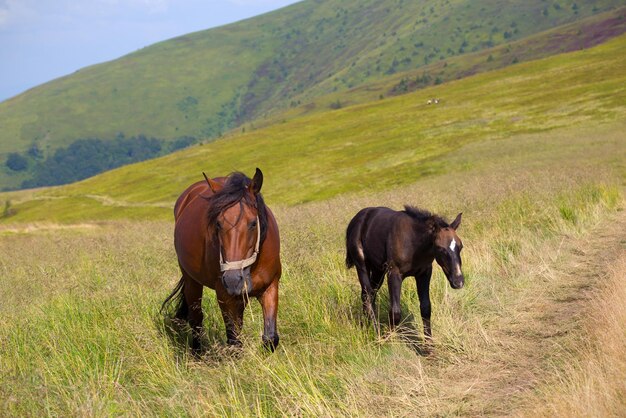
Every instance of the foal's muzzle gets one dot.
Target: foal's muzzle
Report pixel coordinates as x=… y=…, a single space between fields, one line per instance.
x=457 y=282
x=237 y=282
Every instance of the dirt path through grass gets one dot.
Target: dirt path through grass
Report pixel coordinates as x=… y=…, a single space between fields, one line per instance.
x=537 y=336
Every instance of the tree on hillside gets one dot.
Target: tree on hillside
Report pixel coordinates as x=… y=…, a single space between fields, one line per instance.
x=16 y=162
x=88 y=157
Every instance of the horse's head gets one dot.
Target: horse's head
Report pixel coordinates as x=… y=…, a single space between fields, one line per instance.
x=448 y=248
x=238 y=227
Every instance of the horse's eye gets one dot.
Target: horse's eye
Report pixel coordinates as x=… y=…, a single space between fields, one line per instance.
x=252 y=225
x=218 y=225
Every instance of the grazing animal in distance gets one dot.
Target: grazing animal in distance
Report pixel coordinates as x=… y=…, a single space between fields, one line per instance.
x=400 y=244
x=226 y=239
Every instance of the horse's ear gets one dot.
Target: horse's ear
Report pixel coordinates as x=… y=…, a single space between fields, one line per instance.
x=213 y=185
x=455 y=224
x=257 y=181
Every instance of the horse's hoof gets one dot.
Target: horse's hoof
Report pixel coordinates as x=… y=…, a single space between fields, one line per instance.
x=270 y=343
x=233 y=343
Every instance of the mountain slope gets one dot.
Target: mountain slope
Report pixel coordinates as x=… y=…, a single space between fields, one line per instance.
x=373 y=146
x=581 y=34
x=207 y=82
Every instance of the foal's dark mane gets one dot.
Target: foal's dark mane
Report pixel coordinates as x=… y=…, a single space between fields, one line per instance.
x=233 y=192
x=424 y=216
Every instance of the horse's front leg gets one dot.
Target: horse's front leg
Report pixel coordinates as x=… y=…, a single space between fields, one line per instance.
x=394 y=280
x=423 y=292
x=232 y=312
x=269 y=303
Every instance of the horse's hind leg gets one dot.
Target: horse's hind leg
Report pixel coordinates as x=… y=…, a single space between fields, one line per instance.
x=192 y=306
x=376 y=280
x=368 y=294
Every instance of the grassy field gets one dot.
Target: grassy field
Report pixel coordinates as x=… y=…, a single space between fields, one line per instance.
x=533 y=155
x=184 y=86
x=81 y=334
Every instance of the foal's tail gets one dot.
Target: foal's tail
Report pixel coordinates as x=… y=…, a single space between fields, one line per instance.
x=178 y=298
x=353 y=236
x=349 y=261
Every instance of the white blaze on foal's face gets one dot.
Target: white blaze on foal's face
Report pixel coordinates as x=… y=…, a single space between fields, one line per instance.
x=456 y=260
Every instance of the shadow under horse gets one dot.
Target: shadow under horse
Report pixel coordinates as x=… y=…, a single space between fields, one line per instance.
x=226 y=239
x=400 y=244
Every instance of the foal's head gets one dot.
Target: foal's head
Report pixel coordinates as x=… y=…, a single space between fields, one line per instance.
x=236 y=213
x=448 y=248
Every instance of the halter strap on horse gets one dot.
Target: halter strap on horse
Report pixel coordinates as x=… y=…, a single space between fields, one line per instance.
x=242 y=264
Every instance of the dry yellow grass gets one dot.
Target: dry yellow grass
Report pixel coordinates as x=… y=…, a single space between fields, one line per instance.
x=592 y=372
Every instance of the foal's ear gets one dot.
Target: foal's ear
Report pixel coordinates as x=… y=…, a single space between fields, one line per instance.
x=257 y=181
x=455 y=224
x=213 y=185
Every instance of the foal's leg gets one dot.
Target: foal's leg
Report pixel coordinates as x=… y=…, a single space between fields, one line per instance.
x=423 y=286
x=232 y=312
x=394 y=281
x=376 y=280
x=368 y=295
x=192 y=292
x=269 y=302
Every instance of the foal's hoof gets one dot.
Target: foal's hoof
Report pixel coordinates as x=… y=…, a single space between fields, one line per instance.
x=270 y=343
x=233 y=343
x=197 y=349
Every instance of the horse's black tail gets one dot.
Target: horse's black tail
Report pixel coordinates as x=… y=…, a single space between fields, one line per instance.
x=178 y=298
x=354 y=232
x=349 y=260
x=351 y=239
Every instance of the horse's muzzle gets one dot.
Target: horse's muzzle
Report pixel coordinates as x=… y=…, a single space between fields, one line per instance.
x=457 y=282
x=237 y=282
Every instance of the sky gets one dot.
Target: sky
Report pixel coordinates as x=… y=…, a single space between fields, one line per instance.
x=41 y=40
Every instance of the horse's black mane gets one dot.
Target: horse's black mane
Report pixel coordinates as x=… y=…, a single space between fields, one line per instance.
x=233 y=192
x=425 y=216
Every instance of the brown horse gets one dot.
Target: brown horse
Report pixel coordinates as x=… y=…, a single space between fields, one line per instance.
x=226 y=239
x=401 y=244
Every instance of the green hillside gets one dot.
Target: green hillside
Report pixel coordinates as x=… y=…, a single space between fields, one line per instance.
x=205 y=83
x=367 y=147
